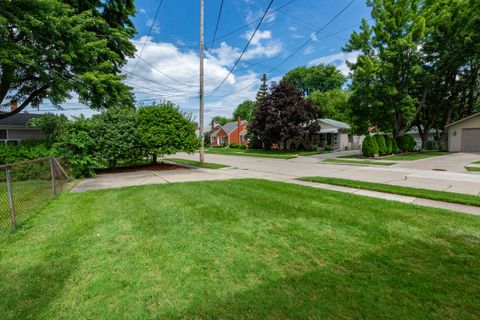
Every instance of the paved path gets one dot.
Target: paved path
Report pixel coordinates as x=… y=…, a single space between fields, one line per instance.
x=287 y=170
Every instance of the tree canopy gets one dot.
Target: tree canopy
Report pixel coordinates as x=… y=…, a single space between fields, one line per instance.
x=315 y=78
x=51 y=49
x=244 y=110
x=164 y=130
x=283 y=114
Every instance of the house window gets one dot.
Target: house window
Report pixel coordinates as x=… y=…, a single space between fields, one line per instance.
x=3 y=134
x=223 y=139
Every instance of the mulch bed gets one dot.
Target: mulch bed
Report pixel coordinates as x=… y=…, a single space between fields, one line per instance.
x=144 y=167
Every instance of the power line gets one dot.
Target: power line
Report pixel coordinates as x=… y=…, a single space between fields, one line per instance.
x=216 y=25
x=298 y=49
x=154 y=81
x=149 y=32
x=244 y=49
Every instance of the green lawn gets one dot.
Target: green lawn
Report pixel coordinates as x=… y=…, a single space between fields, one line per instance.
x=417 y=155
x=262 y=153
x=476 y=162
x=367 y=162
x=197 y=163
x=473 y=169
x=29 y=196
x=241 y=249
x=406 y=191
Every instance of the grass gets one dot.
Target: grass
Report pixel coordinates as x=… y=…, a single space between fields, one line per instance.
x=473 y=169
x=29 y=196
x=365 y=162
x=459 y=198
x=412 y=156
x=246 y=251
x=197 y=163
x=476 y=162
x=262 y=153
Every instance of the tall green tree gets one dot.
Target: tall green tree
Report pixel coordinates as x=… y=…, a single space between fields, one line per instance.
x=389 y=66
x=51 y=49
x=315 y=78
x=263 y=91
x=219 y=120
x=334 y=103
x=283 y=114
x=451 y=65
x=244 y=110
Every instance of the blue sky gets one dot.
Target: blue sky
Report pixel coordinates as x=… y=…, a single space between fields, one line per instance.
x=169 y=65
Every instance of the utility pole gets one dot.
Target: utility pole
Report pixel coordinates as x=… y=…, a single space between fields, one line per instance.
x=202 y=48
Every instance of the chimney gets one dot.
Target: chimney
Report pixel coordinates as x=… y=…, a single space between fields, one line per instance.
x=13 y=106
x=239 y=124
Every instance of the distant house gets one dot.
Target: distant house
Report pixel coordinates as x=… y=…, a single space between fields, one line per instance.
x=418 y=139
x=464 y=134
x=332 y=133
x=230 y=132
x=15 y=129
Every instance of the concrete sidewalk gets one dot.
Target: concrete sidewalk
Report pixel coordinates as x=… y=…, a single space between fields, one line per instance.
x=393 y=197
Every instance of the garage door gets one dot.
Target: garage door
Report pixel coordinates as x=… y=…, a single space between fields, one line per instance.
x=471 y=140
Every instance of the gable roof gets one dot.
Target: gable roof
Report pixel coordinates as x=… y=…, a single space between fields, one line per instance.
x=19 y=119
x=228 y=127
x=335 y=123
x=464 y=119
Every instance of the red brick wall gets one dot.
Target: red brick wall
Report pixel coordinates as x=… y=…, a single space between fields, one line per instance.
x=220 y=134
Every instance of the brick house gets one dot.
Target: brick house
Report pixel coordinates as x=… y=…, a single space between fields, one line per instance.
x=230 y=132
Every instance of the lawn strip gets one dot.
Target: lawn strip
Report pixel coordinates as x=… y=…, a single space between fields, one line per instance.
x=361 y=162
x=194 y=163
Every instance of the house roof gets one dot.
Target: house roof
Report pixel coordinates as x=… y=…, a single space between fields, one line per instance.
x=335 y=123
x=19 y=119
x=464 y=119
x=229 y=127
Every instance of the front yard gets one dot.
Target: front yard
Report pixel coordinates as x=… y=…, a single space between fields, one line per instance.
x=239 y=249
x=410 y=156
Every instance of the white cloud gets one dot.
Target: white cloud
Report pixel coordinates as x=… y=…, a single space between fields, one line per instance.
x=338 y=59
x=155 y=26
x=142 y=11
x=293 y=28
x=314 y=37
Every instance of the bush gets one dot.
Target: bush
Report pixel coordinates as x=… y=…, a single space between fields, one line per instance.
x=369 y=146
x=406 y=143
x=234 y=145
x=388 y=144
x=28 y=150
x=382 y=147
x=328 y=148
x=242 y=146
x=394 y=146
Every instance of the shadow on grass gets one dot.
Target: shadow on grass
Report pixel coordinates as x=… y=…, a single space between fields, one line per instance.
x=413 y=280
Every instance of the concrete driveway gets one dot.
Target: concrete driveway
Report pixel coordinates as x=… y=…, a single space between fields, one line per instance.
x=454 y=162
x=419 y=174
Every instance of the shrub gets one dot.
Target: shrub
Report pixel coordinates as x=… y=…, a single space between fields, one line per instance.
x=28 y=150
x=369 y=146
x=328 y=148
x=242 y=146
x=382 y=147
x=234 y=145
x=388 y=144
x=79 y=146
x=394 y=146
x=406 y=143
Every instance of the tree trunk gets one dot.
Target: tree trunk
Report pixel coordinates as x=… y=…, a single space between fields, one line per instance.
x=154 y=159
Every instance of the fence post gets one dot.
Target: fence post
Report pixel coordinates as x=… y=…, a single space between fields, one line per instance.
x=52 y=171
x=10 y=198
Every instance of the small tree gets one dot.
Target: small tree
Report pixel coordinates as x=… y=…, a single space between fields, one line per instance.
x=382 y=147
x=117 y=136
x=164 y=130
x=406 y=143
x=51 y=125
x=369 y=146
x=283 y=114
x=388 y=143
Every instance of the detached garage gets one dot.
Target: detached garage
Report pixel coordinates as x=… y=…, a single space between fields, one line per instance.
x=464 y=135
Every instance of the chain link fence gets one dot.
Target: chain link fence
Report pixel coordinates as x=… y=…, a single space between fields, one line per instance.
x=27 y=186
